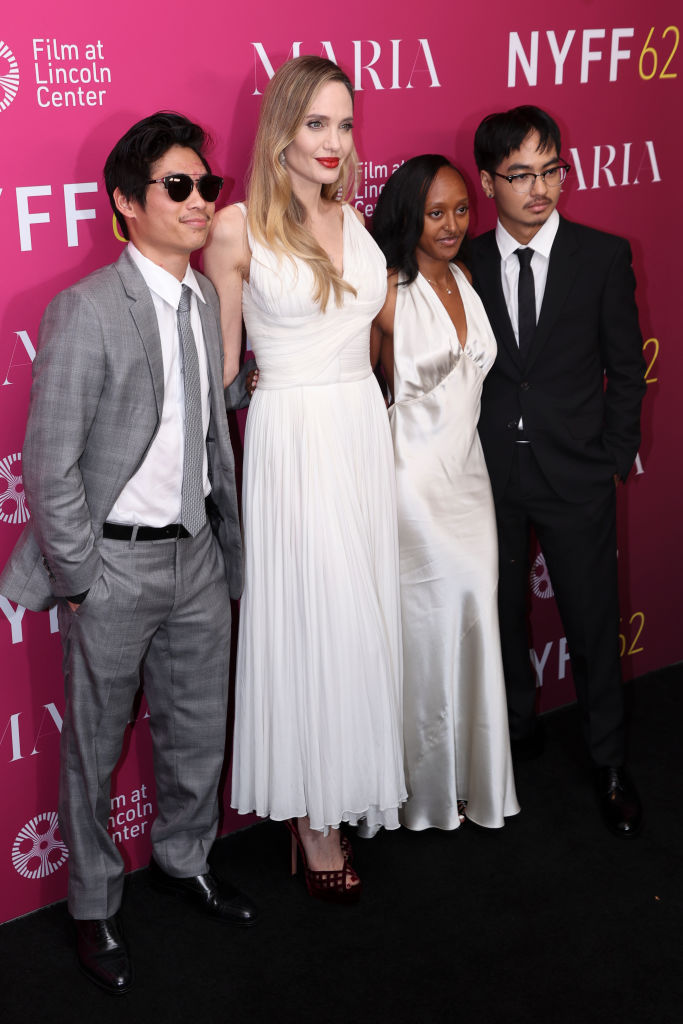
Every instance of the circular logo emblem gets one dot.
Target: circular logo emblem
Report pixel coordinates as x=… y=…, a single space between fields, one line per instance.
x=9 y=76
x=38 y=850
x=540 y=579
x=12 y=498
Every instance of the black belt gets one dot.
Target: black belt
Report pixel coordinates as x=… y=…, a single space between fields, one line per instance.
x=117 y=531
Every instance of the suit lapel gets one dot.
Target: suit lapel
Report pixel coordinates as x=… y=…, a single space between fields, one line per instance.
x=562 y=269
x=220 y=455
x=491 y=290
x=212 y=344
x=145 y=319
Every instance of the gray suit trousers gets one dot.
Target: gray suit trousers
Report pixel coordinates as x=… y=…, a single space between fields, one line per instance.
x=160 y=607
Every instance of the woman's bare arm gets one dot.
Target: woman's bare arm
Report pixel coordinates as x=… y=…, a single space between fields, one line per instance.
x=226 y=264
x=382 y=335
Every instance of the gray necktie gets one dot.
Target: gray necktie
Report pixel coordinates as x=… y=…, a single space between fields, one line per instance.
x=192 y=507
x=526 y=299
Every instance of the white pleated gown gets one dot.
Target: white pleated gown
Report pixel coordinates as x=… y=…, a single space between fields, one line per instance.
x=318 y=692
x=455 y=716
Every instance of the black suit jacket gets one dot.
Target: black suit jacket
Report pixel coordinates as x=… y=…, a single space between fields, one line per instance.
x=581 y=386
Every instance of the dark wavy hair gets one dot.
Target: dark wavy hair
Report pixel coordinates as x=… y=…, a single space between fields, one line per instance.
x=128 y=165
x=499 y=134
x=398 y=220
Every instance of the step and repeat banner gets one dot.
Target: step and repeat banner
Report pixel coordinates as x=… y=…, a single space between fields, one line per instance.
x=74 y=78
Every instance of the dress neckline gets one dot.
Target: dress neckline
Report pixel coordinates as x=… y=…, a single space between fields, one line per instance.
x=443 y=312
x=345 y=240
x=344 y=237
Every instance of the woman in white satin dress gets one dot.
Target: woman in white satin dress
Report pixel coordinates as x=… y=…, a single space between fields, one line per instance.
x=318 y=696
x=436 y=347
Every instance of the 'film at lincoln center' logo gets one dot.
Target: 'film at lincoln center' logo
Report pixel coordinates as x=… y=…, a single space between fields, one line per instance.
x=38 y=850
x=539 y=578
x=12 y=497
x=9 y=76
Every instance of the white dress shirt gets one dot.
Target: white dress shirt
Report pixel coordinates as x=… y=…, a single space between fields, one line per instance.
x=153 y=494
x=541 y=243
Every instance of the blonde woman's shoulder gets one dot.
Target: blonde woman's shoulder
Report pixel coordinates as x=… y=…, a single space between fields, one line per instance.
x=229 y=221
x=357 y=212
x=228 y=243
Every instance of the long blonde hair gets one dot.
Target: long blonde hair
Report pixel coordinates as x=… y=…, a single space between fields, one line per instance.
x=276 y=216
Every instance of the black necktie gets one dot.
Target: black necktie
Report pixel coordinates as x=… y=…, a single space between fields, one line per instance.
x=526 y=299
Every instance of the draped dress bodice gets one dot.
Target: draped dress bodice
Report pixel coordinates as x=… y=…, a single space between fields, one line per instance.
x=294 y=343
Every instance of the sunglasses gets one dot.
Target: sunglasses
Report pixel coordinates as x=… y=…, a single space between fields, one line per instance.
x=179 y=186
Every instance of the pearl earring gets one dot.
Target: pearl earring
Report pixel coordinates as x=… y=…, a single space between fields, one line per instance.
x=282 y=158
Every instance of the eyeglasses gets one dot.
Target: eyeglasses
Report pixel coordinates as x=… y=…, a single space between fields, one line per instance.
x=179 y=186
x=524 y=182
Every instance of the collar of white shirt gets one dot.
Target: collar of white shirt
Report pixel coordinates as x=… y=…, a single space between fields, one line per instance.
x=542 y=242
x=163 y=284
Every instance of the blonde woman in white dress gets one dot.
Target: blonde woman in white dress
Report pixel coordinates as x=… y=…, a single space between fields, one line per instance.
x=436 y=347
x=318 y=698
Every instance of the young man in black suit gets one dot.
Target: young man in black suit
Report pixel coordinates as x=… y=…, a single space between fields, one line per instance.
x=560 y=427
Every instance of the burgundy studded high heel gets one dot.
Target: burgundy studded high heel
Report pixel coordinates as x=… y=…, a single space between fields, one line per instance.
x=346 y=849
x=331 y=886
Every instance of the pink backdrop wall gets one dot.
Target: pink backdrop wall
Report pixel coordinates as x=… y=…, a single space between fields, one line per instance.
x=73 y=79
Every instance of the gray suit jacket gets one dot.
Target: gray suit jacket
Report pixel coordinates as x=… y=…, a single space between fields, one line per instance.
x=95 y=408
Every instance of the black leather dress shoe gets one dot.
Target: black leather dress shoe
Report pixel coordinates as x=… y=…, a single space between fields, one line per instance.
x=217 y=899
x=529 y=747
x=103 y=954
x=619 y=802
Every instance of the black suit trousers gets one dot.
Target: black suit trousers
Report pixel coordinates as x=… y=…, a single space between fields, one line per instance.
x=579 y=543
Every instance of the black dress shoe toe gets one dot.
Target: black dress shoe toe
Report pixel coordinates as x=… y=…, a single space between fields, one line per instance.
x=103 y=954
x=219 y=900
x=619 y=802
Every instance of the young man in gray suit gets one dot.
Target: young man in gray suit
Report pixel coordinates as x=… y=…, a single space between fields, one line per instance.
x=134 y=531
x=560 y=426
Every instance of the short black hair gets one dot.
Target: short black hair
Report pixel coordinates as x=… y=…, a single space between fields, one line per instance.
x=499 y=134
x=128 y=165
x=398 y=220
